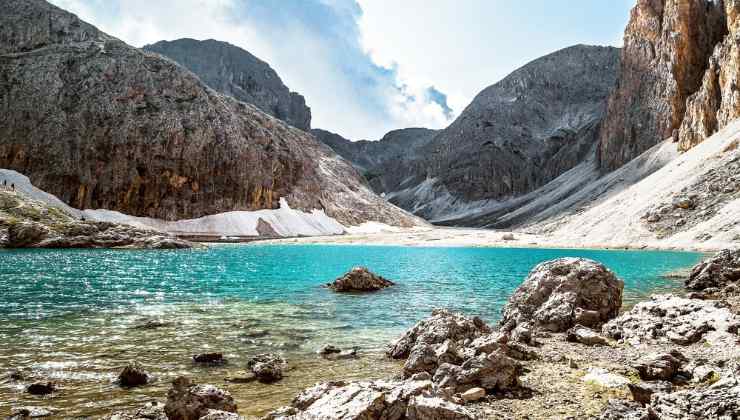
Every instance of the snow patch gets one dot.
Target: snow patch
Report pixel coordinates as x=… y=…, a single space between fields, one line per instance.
x=284 y=221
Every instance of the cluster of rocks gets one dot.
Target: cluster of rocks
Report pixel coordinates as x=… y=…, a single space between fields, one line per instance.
x=359 y=279
x=698 y=202
x=718 y=275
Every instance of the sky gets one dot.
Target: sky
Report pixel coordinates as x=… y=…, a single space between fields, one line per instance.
x=370 y=66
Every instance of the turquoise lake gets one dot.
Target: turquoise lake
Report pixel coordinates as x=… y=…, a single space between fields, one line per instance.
x=73 y=315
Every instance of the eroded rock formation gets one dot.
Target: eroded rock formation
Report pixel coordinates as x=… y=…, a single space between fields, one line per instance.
x=678 y=77
x=562 y=293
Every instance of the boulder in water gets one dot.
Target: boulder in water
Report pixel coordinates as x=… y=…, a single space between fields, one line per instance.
x=132 y=375
x=41 y=388
x=188 y=401
x=359 y=279
x=560 y=293
x=267 y=368
x=209 y=358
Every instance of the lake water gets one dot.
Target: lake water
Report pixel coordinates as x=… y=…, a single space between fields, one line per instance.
x=71 y=315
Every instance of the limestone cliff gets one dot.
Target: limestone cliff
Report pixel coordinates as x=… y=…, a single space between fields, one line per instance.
x=717 y=102
x=666 y=54
x=101 y=124
x=235 y=72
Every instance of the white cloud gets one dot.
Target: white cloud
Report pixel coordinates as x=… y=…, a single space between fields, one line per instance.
x=369 y=67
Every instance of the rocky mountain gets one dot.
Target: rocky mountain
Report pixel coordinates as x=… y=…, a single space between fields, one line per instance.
x=237 y=73
x=103 y=125
x=678 y=77
x=516 y=135
x=385 y=162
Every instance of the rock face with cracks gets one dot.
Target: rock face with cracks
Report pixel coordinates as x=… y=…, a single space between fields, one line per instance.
x=188 y=401
x=562 y=293
x=716 y=272
x=674 y=320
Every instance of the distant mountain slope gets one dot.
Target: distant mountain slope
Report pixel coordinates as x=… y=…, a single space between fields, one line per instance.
x=237 y=73
x=103 y=125
x=516 y=135
x=386 y=162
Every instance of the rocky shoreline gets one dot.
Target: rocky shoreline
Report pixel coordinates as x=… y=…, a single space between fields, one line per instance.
x=561 y=350
x=29 y=223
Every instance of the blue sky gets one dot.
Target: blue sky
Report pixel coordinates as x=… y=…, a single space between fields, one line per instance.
x=370 y=66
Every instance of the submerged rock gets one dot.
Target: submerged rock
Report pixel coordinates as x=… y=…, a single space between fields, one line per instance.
x=152 y=411
x=41 y=388
x=29 y=413
x=209 y=358
x=267 y=368
x=716 y=272
x=133 y=375
x=559 y=294
x=359 y=279
x=188 y=401
x=672 y=319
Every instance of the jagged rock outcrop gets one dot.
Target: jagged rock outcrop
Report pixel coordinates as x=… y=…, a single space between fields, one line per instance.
x=28 y=223
x=671 y=319
x=717 y=101
x=237 y=73
x=717 y=272
x=718 y=401
x=359 y=279
x=562 y=293
x=678 y=77
x=103 y=125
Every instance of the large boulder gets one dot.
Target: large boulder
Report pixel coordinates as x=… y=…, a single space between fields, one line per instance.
x=672 y=319
x=561 y=293
x=359 y=279
x=188 y=401
x=716 y=272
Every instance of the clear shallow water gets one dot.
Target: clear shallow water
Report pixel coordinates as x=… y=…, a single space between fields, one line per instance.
x=71 y=315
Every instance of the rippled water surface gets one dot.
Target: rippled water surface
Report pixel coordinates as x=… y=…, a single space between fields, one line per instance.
x=72 y=316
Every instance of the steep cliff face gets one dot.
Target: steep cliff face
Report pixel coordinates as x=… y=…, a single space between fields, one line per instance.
x=104 y=125
x=717 y=102
x=667 y=45
x=237 y=73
